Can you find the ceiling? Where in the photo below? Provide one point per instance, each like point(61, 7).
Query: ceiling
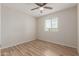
point(26, 7)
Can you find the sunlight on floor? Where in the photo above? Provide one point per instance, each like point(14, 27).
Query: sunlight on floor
point(49, 53)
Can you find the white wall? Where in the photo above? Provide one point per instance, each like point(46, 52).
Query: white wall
point(78, 25)
point(0, 25)
point(17, 27)
point(67, 22)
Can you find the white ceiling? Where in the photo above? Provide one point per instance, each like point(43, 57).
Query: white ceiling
point(26, 7)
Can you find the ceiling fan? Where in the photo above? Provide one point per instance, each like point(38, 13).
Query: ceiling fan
point(41, 7)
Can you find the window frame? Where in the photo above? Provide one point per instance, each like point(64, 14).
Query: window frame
point(52, 29)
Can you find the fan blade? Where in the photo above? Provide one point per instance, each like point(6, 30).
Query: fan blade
point(40, 4)
point(35, 8)
point(48, 7)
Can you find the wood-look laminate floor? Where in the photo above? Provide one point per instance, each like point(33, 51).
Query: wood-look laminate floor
point(39, 48)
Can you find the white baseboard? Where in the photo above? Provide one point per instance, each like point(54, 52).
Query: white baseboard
point(3, 47)
point(59, 43)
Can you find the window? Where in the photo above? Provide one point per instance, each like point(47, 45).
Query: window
point(51, 24)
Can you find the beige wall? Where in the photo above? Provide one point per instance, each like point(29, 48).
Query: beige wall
point(78, 25)
point(17, 27)
point(67, 22)
point(0, 25)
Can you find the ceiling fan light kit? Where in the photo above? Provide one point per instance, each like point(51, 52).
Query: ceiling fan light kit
point(41, 7)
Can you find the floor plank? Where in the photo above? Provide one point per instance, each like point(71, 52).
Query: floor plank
point(39, 48)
